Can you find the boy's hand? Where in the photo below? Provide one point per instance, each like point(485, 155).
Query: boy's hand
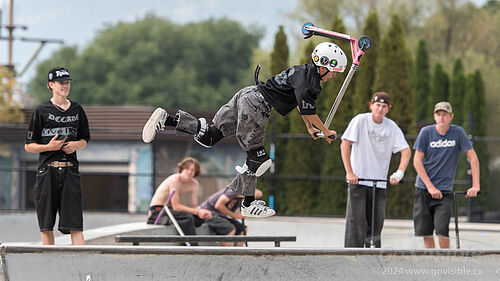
point(313, 131)
point(351, 178)
point(56, 144)
point(472, 192)
point(435, 193)
point(238, 216)
point(396, 177)
point(69, 147)
point(204, 214)
point(329, 133)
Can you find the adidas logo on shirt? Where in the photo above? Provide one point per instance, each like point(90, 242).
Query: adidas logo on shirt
point(442, 143)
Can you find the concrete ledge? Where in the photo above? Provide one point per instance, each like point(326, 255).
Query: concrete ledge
point(23, 249)
point(229, 263)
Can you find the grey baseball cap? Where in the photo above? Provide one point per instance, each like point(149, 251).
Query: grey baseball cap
point(446, 106)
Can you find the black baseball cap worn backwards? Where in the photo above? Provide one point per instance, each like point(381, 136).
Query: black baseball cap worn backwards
point(58, 74)
point(382, 97)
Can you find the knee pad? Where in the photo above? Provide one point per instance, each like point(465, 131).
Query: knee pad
point(257, 162)
point(186, 123)
point(207, 135)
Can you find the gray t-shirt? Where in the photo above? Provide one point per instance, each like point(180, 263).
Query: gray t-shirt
point(441, 155)
point(209, 203)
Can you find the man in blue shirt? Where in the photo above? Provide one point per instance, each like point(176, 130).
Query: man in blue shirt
point(436, 159)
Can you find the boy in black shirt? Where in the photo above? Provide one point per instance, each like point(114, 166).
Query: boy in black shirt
point(247, 113)
point(58, 127)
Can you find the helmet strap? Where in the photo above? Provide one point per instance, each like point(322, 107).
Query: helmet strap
point(324, 74)
point(319, 72)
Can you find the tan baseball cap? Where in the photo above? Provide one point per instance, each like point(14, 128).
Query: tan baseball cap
point(446, 106)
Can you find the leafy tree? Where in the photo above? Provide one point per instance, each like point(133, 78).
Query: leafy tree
point(9, 109)
point(155, 62)
point(366, 73)
point(412, 12)
point(422, 83)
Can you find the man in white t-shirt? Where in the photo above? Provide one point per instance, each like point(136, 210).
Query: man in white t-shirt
point(373, 138)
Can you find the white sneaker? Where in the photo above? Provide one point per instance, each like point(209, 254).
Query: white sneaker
point(155, 123)
point(257, 209)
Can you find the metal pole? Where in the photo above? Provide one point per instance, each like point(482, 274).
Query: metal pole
point(469, 172)
point(340, 95)
point(374, 189)
point(272, 155)
point(244, 228)
point(10, 27)
point(174, 221)
point(42, 43)
point(10, 66)
point(456, 219)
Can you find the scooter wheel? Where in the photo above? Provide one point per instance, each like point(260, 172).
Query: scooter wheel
point(306, 32)
point(364, 43)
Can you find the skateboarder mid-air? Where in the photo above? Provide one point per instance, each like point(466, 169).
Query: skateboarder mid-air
point(246, 115)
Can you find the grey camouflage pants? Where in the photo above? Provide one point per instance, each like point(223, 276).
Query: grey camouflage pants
point(244, 116)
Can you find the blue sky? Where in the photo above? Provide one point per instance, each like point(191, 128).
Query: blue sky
point(76, 22)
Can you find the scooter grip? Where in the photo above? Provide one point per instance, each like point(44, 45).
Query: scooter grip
point(321, 135)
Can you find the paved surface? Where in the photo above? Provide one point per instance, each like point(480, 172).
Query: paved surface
point(23, 226)
point(311, 232)
point(318, 253)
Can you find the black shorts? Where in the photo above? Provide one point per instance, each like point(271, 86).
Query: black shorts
point(431, 214)
point(223, 225)
point(59, 189)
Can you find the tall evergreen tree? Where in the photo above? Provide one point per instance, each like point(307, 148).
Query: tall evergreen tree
point(302, 158)
point(439, 89)
point(366, 73)
point(393, 76)
point(475, 104)
point(457, 92)
point(279, 55)
point(279, 62)
point(278, 124)
point(475, 111)
point(421, 78)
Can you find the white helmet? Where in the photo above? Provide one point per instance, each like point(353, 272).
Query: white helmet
point(330, 56)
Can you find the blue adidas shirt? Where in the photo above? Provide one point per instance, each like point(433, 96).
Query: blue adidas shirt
point(441, 155)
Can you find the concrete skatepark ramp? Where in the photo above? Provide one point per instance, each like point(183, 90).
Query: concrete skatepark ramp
point(318, 253)
point(109, 263)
